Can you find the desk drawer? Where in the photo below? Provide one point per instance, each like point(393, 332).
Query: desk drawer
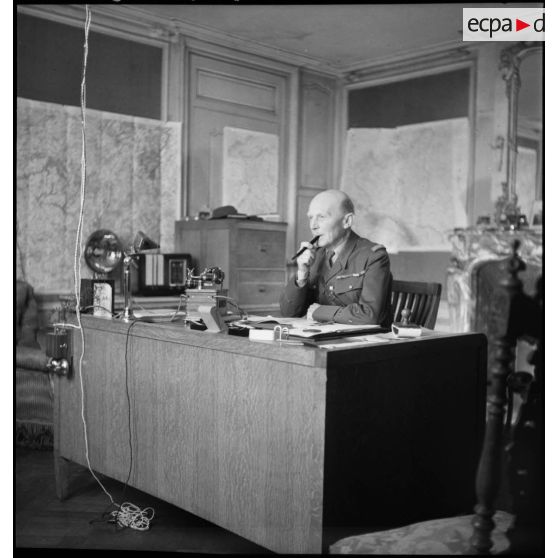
point(261, 276)
point(259, 293)
point(260, 248)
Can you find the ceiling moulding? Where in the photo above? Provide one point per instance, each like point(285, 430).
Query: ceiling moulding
point(416, 53)
point(411, 64)
point(229, 40)
point(74, 14)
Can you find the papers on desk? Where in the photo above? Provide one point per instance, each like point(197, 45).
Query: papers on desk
point(324, 331)
point(306, 329)
point(350, 342)
point(158, 314)
point(269, 322)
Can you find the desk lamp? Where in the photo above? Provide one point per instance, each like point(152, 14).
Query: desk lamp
point(102, 254)
point(141, 243)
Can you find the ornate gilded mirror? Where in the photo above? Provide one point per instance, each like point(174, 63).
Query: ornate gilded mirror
point(521, 200)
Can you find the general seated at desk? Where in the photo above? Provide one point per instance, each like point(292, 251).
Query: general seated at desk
point(342, 277)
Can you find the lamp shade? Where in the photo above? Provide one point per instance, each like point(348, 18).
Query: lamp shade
point(143, 242)
point(103, 251)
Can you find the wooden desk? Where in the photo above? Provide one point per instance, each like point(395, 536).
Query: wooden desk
point(272, 442)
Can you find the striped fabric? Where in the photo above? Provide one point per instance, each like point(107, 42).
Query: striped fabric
point(34, 396)
point(34, 389)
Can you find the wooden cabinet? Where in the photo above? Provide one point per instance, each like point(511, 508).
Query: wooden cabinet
point(251, 253)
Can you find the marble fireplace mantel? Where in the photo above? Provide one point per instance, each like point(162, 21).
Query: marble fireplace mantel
point(470, 248)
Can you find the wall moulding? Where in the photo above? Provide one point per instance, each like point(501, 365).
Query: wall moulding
point(237, 56)
point(308, 86)
point(261, 96)
point(316, 130)
point(310, 190)
point(409, 67)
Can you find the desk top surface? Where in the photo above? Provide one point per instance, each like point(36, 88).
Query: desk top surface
point(275, 350)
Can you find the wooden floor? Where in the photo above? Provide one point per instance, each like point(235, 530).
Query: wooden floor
point(43, 522)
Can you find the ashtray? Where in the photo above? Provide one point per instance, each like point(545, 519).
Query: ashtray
point(405, 328)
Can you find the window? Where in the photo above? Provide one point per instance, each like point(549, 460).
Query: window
point(122, 76)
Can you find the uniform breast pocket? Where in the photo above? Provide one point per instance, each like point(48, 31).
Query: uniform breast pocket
point(348, 288)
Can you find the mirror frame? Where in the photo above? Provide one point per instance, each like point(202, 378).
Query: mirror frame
point(510, 64)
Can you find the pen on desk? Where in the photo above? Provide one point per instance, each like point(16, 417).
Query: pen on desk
point(304, 248)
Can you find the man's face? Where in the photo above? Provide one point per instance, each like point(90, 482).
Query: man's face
point(327, 220)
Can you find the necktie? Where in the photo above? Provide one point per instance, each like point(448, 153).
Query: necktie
point(330, 257)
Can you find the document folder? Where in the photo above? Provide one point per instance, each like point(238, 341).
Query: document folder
point(308, 329)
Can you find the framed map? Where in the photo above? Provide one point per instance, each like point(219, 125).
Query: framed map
point(409, 183)
point(133, 183)
point(250, 171)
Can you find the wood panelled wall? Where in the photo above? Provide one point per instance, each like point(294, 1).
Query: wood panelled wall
point(226, 93)
point(318, 94)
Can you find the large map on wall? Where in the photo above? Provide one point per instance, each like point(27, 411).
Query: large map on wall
point(132, 183)
point(250, 171)
point(409, 184)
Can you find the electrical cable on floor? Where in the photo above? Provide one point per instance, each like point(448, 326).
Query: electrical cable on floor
point(129, 407)
point(133, 517)
point(126, 515)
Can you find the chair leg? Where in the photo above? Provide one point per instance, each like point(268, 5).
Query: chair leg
point(509, 408)
point(489, 469)
point(61, 475)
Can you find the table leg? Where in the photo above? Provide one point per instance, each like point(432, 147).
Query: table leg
point(61, 475)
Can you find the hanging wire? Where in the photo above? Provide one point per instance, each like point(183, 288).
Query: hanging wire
point(126, 515)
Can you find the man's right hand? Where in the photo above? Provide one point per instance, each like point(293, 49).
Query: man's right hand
point(304, 261)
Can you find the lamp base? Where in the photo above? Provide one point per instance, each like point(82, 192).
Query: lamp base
point(127, 315)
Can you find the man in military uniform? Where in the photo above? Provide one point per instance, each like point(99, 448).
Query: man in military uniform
point(343, 277)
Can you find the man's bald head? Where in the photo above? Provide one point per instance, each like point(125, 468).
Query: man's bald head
point(331, 216)
point(336, 198)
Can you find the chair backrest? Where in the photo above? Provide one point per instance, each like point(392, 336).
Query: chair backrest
point(422, 299)
point(520, 317)
point(27, 316)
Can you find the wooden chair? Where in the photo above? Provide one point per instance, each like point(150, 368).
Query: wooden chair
point(422, 299)
point(519, 529)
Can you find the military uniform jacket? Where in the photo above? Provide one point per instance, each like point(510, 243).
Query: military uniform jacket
point(356, 289)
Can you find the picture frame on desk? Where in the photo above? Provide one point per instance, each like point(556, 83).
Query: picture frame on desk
point(97, 297)
point(103, 298)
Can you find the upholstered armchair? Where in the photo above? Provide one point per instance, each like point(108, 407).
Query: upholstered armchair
point(33, 375)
